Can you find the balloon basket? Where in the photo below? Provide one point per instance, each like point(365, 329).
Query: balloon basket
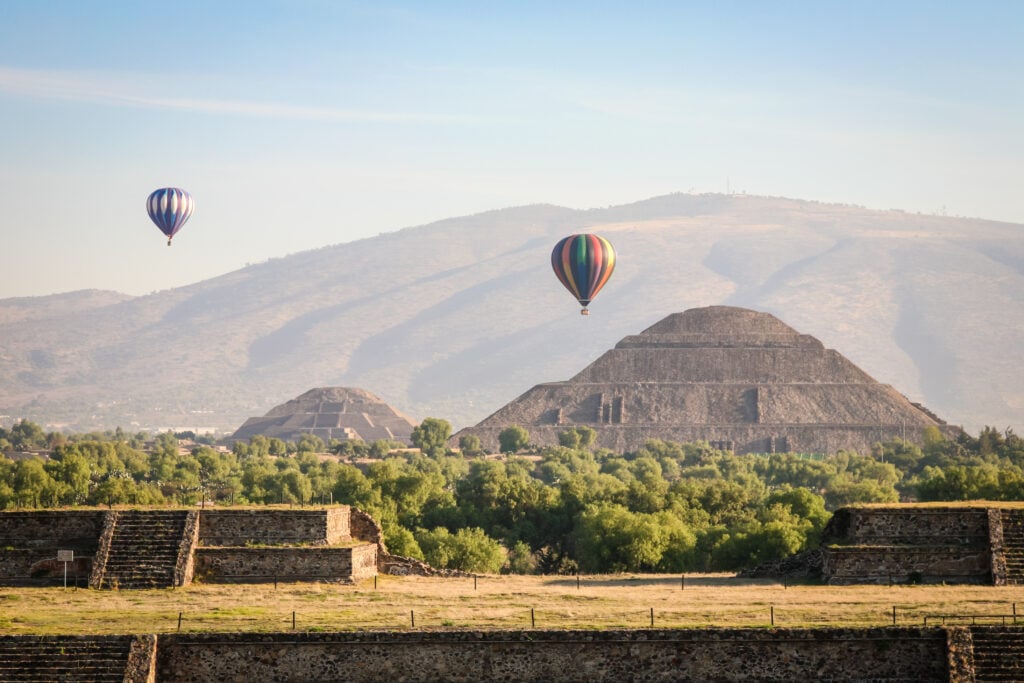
point(585, 311)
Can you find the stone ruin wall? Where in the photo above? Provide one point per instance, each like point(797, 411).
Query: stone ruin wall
point(239, 527)
point(50, 527)
point(906, 654)
point(229, 544)
point(908, 525)
point(267, 565)
point(29, 541)
point(252, 545)
point(751, 365)
point(910, 564)
point(908, 545)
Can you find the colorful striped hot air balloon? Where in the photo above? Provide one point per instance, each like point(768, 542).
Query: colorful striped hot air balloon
point(583, 263)
point(170, 208)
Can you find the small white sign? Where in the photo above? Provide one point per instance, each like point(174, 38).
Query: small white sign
point(65, 555)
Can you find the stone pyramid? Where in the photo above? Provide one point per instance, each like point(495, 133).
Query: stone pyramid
point(739, 379)
point(331, 413)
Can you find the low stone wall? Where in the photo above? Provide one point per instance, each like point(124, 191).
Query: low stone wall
point(910, 525)
point(228, 527)
point(906, 564)
point(141, 666)
point(29, 541)
point(184, 567)
point(364, 561)
point(57, 529)
point(33, 566)
point(365, 528)
point(880, 654)
point(261, 565)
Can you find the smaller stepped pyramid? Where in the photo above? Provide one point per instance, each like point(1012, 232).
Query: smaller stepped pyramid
point(739, 379)
point(144, 549)
point(998, 653)
point(92, 659)
point(341, 413)
point(1013, 545)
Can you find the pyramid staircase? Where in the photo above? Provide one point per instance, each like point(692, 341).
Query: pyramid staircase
point(998, 653)
point(143, 550)
point(1013, 545)
point(64, 658)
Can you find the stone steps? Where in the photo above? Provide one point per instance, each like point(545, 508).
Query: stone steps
point(144, 549)
point(64, 658)
point(1013, 545)
point(998, 653)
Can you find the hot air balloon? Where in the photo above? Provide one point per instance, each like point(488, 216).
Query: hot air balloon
point(170, 208)
point(583, 263)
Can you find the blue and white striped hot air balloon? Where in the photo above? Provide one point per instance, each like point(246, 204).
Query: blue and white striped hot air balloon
point(170, 208)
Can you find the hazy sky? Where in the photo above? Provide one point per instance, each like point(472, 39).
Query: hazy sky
point(305, 123)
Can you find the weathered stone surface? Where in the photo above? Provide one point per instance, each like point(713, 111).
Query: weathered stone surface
point(216, 544)
point(879, 654)
point(52, 529)
point(911, 544)
point(29, 541)
point(331, 413)
point(141, 666)
point(906, 564)
point(737, 378)
point(263, 565)
point(908, 525)
point(269, 526)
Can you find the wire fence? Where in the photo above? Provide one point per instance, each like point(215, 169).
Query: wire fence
point(575, 602)
point(549, 618)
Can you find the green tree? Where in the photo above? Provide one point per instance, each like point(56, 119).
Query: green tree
point(521, 559)
point(431, 436)
point(470, 445)
point(610, 538)
point(310, 443)
point(26, 435)
point(587, 436)
point(401, 541)
point(469, 550)
point(33, 485)
point(513, 439)
point(570, 438)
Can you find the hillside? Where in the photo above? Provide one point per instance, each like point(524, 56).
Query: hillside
point(456, 318)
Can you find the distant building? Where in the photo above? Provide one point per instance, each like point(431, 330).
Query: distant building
point(739, 379)
point(331, 413)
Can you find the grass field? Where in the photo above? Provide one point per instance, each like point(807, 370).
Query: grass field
point(496, 602)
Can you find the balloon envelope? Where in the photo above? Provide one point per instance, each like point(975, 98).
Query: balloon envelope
point(170, 208)
point(583, 263)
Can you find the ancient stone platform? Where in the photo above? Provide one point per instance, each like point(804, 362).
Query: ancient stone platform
point(341, 413)
point(957, 654)
point(157, 547)
point(739, 379)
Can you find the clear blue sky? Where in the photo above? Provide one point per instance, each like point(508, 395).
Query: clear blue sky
point(305, 123)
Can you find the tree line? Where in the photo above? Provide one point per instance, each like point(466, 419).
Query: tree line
point(667, 507)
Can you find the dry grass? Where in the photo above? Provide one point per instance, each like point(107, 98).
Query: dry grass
point(497, 602)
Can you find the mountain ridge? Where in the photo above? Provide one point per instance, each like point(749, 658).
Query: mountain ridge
point(456, 317)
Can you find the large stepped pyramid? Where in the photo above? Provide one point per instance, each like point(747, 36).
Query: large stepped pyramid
point(95, 659)
point(1013, 545)
point(143, 549)
point(998, 653)
point(343, 413)
point(742, 380)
